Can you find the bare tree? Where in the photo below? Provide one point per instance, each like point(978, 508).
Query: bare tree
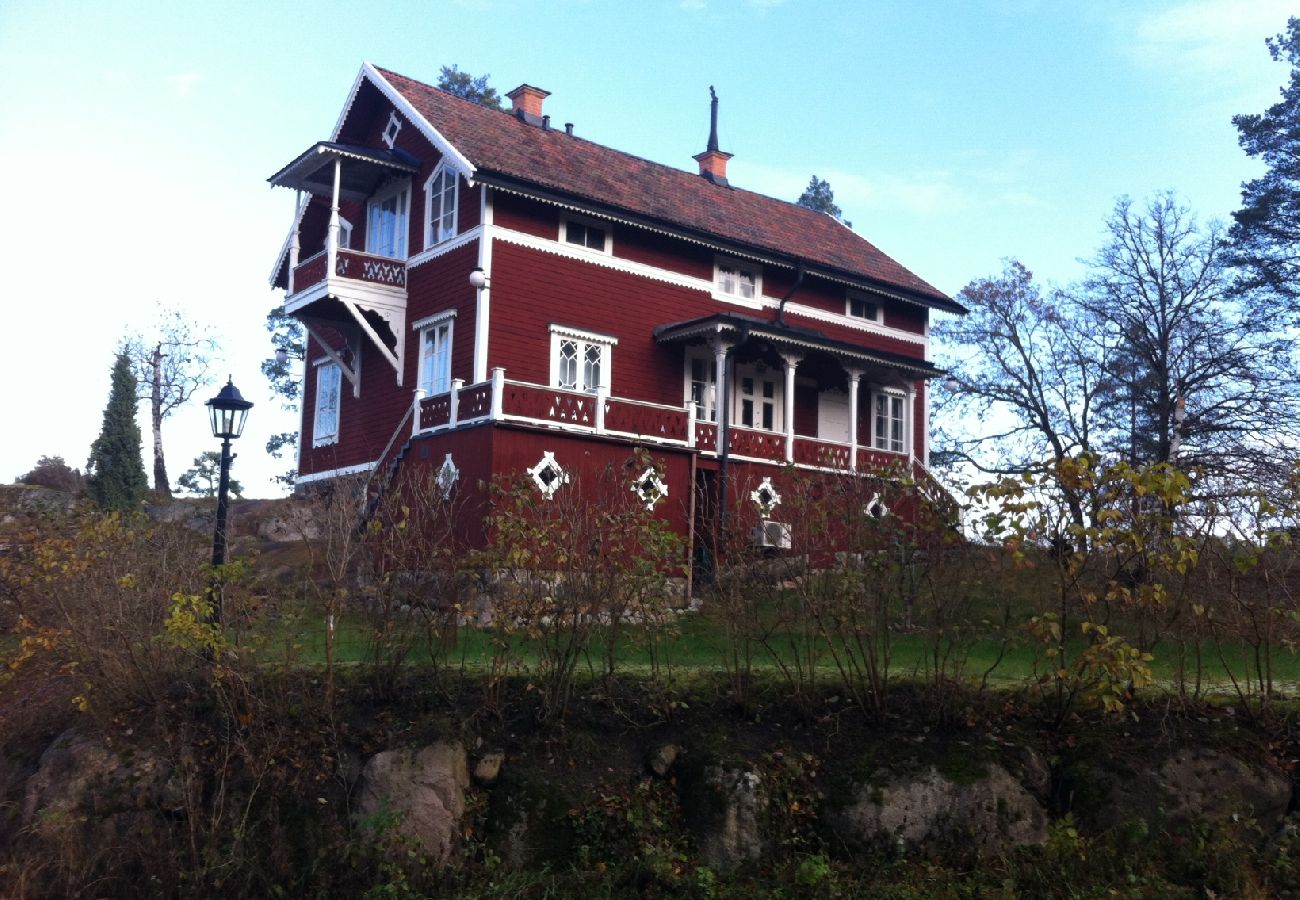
point(1195, 377)
point(170, 364)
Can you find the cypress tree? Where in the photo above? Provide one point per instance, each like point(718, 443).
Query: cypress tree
point(116, 479)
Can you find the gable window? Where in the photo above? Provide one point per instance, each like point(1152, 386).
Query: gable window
point(890, 415)
point(386, 218)
point(702, 384)
point(440, 200)
point(585, 233)
point(390, 130)
point(580, 360)
point(435, 356)
point(859, 307)
point(736, 279)
point(325, 427)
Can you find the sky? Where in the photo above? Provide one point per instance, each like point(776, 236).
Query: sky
point(136, 139)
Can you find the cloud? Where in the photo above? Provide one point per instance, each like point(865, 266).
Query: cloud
point(1215, 37)
point(183, 84)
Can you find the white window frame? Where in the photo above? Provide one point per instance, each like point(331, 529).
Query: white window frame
point(885, 441)
point(742, 371)
point(329, 375)
point(398, 189)
point(345, 233)
point(567, 220)
point(435, 232)
point(870, 303)
point(728, 283)
point(391, 130)
point(427, 380)
point(706, 403)
point(602, 343)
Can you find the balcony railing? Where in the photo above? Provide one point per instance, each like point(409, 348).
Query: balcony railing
point(503, 400)
point(353, 265)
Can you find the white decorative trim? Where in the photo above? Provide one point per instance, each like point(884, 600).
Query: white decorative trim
point(435, 319)
point(395, 126)
point(875, 508)
point(650, 488)
point(548, 475)
point(448, 475)
point(591, 337)
point(336, 473)
point(765, 496)
point(444, 248)
point(444, 146)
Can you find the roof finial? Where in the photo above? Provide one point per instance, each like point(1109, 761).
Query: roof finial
point(713, 119)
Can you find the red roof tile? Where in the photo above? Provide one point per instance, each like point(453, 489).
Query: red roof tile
point(497, 142)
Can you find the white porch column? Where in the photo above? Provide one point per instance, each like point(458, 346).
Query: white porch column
point(415, 413)
point(602, 394)
point(855, 379)
point(909, 420)
point(721, 390)
point(498, 391)
point(336, 228)
point(791, 361)
point(453, 415)
point(690, 424)
point(295, 245)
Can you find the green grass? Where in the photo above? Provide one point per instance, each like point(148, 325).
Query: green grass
point(698, 642)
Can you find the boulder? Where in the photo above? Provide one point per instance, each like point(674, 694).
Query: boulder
point(726, 810)
point(424, 790)
point(662, 758)
point(934, 813)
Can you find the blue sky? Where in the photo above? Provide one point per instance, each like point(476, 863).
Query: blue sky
point(136, 138)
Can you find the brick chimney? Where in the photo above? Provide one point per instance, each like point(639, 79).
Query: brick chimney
point(713, 162)
point(526, 103)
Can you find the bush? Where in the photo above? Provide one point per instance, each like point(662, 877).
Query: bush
point(52, 472)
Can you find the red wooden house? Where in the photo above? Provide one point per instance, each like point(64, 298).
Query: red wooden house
point(487, 293)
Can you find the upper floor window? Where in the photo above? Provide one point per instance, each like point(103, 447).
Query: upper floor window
point(325, 427)
point(580, 360)
point(759, 398)
point(386, 221)
point(440, 200)
point(736, 279)
point(585, 233)
point(702, 384)
point(345, 233)
point(890, 409)
point(435, 356)
point(859, 307)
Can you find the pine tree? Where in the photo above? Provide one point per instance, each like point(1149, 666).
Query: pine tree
point(115, 471)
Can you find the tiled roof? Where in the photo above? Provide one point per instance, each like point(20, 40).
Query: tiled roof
point(497, 142)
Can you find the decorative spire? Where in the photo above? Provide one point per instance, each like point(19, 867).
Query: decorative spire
point(713, 119)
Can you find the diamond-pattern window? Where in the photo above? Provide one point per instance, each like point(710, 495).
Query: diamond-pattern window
point(548, 475)
point(765, 497)
point(650, 488)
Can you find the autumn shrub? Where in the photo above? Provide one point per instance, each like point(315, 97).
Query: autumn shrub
point(52, 472)
point(573, 563)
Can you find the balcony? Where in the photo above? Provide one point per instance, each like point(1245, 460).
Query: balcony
point(503, 400)
point(353, 271)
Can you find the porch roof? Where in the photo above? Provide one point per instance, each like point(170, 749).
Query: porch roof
point(740, 327)
point(363, 170)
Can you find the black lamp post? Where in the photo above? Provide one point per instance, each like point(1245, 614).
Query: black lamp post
point(228, 410)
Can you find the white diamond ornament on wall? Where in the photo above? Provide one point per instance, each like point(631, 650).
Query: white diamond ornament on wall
point(448, 475)
point(650, 488)
point(765, 497)
point(875, 508)
point(548, 475)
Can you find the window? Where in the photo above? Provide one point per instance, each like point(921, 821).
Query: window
point(859, 307)
point(702, 384)
point(435, 357)
point(386, 222)
point(585, 233)
point(390, 130)
point(440, 201)
point(758, 398)
point(889, 422)
point(580, 361)
point(736, 279)
point(345, 233)
point(325, 429)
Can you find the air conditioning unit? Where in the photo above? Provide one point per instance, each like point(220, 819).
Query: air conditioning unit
point(772, 534)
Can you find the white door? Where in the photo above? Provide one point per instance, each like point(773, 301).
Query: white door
point(833, 416)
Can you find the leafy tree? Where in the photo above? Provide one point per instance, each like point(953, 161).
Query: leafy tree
point(819, 196)
point(204, 478)
point(287, 335)
point(170, 366)
point(115, 472)
point(1266, 234)
point(53, 472)
point(462, 84)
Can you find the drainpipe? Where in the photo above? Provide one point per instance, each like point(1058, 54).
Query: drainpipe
point(798, 280)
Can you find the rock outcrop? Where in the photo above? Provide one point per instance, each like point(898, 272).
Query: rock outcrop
point(424, 792)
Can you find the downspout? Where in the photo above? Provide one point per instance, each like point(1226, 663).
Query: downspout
point(798, 280)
